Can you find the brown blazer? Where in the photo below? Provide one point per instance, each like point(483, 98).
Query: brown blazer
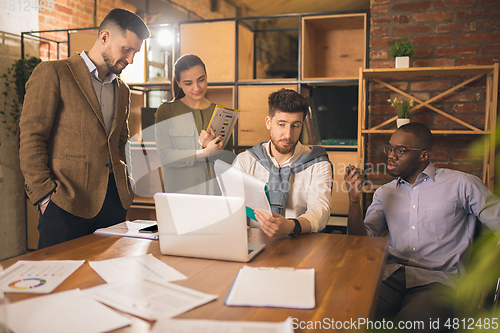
point(64, 147)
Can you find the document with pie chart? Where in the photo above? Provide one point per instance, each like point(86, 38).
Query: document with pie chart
point(37, 277)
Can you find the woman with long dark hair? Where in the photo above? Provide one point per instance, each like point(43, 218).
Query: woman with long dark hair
point(185, 148)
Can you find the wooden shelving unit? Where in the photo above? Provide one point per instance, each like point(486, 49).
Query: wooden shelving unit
point(468, 74)
point(331, 48)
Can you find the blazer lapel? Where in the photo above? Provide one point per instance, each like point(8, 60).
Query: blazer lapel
point(81, 75)
point(121, 104)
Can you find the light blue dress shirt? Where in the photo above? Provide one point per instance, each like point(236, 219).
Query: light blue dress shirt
point(105, 91)
point(431, 223)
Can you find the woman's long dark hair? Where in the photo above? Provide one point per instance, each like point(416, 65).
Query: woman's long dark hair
point(185, 62)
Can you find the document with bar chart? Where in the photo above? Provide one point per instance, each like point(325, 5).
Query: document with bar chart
point(39, 277)
point(223, 121)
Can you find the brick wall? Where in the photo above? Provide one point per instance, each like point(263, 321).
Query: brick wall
point(69, 14)
point(446, 33)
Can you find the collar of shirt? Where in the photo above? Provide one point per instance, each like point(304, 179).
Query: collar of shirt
point(93, 69)
point(429, 172)
point(296, 154)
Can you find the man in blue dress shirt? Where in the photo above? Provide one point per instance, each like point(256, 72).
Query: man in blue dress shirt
point(430, 215)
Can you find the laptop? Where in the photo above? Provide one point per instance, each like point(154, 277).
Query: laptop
point(204, 226)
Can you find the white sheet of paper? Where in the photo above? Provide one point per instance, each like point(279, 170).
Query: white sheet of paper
point(68, 311)
point(210, 326)
point(236, 183)
point(37, 277)
point(129, 229)
point(136, 268)
point(271, 287)
point(149, 300)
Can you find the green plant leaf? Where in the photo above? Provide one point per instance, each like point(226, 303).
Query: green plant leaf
point(17, 75)
point(402, 48)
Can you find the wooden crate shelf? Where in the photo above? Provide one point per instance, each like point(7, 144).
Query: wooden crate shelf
point(215, 43)
point(467, 74)
point(334, 46)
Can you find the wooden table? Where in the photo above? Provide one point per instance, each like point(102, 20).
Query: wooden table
point(348, 269)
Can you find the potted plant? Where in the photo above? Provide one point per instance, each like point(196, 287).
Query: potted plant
point(403, 109)
point(402, 50)
point(14, 81)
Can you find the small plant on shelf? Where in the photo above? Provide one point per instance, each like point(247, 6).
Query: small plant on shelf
point(403, 108)
point(402, 48)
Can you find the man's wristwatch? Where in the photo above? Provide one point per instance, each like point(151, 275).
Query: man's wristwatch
point(297, 230)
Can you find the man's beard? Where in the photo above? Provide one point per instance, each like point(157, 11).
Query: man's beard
point(113, 68)
point(280, 149)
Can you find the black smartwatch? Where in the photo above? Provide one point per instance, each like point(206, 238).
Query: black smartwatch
point(297, 230)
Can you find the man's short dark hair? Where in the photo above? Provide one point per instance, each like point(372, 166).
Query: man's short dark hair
point(421, 132)
point(286, 100)
point(123, 20)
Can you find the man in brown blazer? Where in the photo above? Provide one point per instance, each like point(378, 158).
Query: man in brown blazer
point(74, 128)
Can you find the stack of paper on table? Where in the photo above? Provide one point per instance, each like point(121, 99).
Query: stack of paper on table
point(273, 287)
point(129, 229)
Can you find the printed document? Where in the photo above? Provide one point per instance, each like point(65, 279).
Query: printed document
point(273, 287)
point(63, 312)
point(223, 121)
point(210, 326)
point(149, 300)
point(236, 183)
point(37, 277)
point(136, 268)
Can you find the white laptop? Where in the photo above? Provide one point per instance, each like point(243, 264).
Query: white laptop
point(203, 226)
